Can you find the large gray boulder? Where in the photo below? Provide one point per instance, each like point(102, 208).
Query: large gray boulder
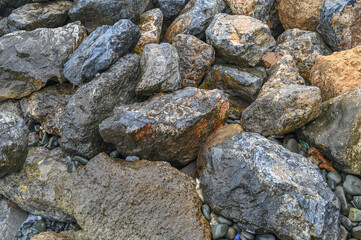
point(260, 185)
point(11, 219)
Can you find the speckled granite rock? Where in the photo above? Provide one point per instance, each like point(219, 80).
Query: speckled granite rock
point(11, 219)
point(12, 106)
point(258, 9)
point(65, 235)
point(4, 29)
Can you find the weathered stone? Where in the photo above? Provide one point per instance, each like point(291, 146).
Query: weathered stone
point(346, 222)
point(150, 25)
point(100, 50)
point(219, 231)
point(240, 39)
point(274, 22)
point(171, 8)
point(335, 176)
point(195, 18)
point(343, 234)
point(354, 215)
point(28, 60)
point(190, 170)
point(13, 143)
point(131, 200)
point(93, 102)
point(260, 185)
point(356, 232)
point(169, 128)
point(12, 106)
point(258, 9)
point(4, 29)
point(11, 219)
point(65, 235)
point(339, 138)
point(340, 23)
point(282, 110)
point(352, 185)
point(337, 73)
point(345, 206)
point(195, 59)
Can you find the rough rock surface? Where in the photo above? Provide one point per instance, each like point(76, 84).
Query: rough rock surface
point(33, 188)
point(131, 200)
point(65, 235)
point(195, 59)
point(282, 110)
point(11, 219)
point(195, 18)
point(337, 73)
point(337, 131)
point(28, 60)
point(93, 102)
point(340, 23)
point(159, 70)
point(239, 39)
point(12, 106)
point(261, 185)
point(171, 8)
point(169, 128)
point(258, 9)
point(150, 25)
point(13, 143)
point(4, 29)
point(100, 50)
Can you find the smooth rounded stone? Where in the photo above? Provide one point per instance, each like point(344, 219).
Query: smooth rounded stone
point(37, 128)
point(80, 160)
point(259, 9)
point(21, 74)
point(219, 231)
point(4, 29)
point(352, 185)
point(339, 138)
point(13, 143)
point(195, 59)
point(335, 176)
point(224, 220)
point(345, 206)
point(95, 101)
point(141, 196)
point(11, 219)
point(356, 232)
point(159, 66)
point(240, 39)
point(45, 139)
point(52, 143)
point(40, 226)
point(115, 154)
point(170, 8)
point(132, 158)
point(150, 25)
point(231, 233)
point(346, 222)
point(264, 180)
point(331, 184)
point(292, 145)
point(206, 210)
point(340, 23)
point(265, 237)
point(354, 215)
point(357, 201)
point(143, 129)
point(95, 54)
point(282, 110)
point(247, 235)
point(195, 18)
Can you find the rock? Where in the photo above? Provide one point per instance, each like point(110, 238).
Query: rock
point(48, 236)
point(195, 18)
point(300, 14)
point(206, 211)
point(195, 59)
point(20, 74)
point(265, 237)
point(340, 23)
point(140, 195)
point(12, 106)
point(345, 206)
point(93, 102)
point(93, 13)
point(292, 145)
point(231, 233)
point(357, 201)
point(219, 231)
point(33, 188)
point(343, 234)
point(283, 110)
point(240, 39)
point(40, 226)
point(339, 138)
point(11, 219)
point(224, 220)
point(274, 22)
point(190, 170)
point(265, 180)
point(150, 25)
point(337, 73)
point(346, 222)
point(13, 143)
point(65, 235)
point(352, 185)
point(4, 29)
point(39, 15)
point(356, 232)
point(258, 9)
point(354, 215)
point(171, 8)
point(47, 105)
point(159, 70)
point(95, 54)
point(304, 47)
point(335, 176)
point(169, 128)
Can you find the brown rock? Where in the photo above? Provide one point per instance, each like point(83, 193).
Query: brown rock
point(190, 170)
point(258, 9)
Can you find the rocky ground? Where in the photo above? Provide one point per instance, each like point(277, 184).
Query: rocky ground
point(180, 119)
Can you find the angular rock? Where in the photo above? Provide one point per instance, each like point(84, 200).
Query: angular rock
point(195, 59)
point(240, 39)
point(130, 200)
point(100, 50)
point(150, 25)
point(169, 128)
point(337, 73)
point(258, 9)
point(4, 29)
point(340, 138)
point(12, 106)
point(340, 23)
point(159, 70)
point(260, 185)
point(195, 18)
point(28, 60)
point(171, 8)
point(93, 102)
point(11, 219)
point(33, 188)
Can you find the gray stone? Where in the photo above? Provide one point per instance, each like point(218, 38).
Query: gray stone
point(40, 226)
point(347, 223)
point(132, 158)
point(100, 50)
point(12, 106)
point(231, 233)
point(345, 206)
point(4, 29)
point(352, 185)
point(206, 210)
point(171, 8)
point(225, 221)
point(292, 145)
point(265, 237)
point(356, 232)
point(219, 231)
point(335, 176)
point(354, 215)
point(343, 234)
point(11, 219)
point(259, 9)
point(357, 201)
point(247, 235)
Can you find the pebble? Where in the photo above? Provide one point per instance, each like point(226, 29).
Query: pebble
point(225, 221)
point(37, 128)
point(345, 206)
point(247, 235)
point(45, 139)
point(292, 145)
point(335, 176)
point(115, 154)
point(265, 237)
point(331, 184)
point(219, 231)
point(347, 223)
point(235, 226)
point(231, 233)
point(40, 226)
point(352, 185)
point(51, 144)
point(206, 212)
point(80, 160)
point(356, 232)
point(214, 220)
point(132, 158)
point(354, 215)
point(357, 201)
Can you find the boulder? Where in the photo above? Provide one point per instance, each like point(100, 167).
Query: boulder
point(274, 22)
point(100, 50)
point(65, 235)
point(12, 106)
point(260, 185)
point(169, 128)
point(239, 39)
point(4, 29)
point(11, 219)
point(170, 8)
point(259, 9)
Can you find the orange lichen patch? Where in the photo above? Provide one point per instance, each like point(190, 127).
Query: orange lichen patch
point(144, 134)
point(324, 163)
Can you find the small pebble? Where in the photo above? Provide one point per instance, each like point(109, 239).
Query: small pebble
point(345, 206)
point(132, 158)
point(335, 176)
point(219, 231)
point(40, 226)
point(292, 145)
point(265, 237)
point(45, 139)
point(115, 154)
point(235, 226)
point(331, 184)
point(357, 201)
point(80, 160)
point(37, 128)
point(206, 212)
point(347, 223)
point(231, 233)
point(247, 235)
point(354, 215)
point(225, 221)
point(352, 185)
point(51, 144)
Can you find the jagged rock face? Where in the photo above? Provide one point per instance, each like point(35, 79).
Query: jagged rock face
point(11, 218)
point(169, 128)
point(261, 185)
point(93, 102)
point(12, 106)
point(259, 9)
point(4, 29)
point(131, 200)
point(13, 143)
point(100, 50)
point(170, 8)
point(28, 60)
point(337, 131)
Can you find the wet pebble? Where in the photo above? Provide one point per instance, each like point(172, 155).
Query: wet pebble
point(206, 211)
point(265, 237)
point(115, 154)
point(345, 206)
point(231, 233)
point(51, 145)
point(356, 232)
point(335, 176)
point(225, 221)
point(80, 160)
point(40, 226)
point(292, 145)
point(44, 140)
point(347, 223)
point(247, 235)
point(219, 231)
point(132, 158)
point(331, 184)
point(352, 185)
